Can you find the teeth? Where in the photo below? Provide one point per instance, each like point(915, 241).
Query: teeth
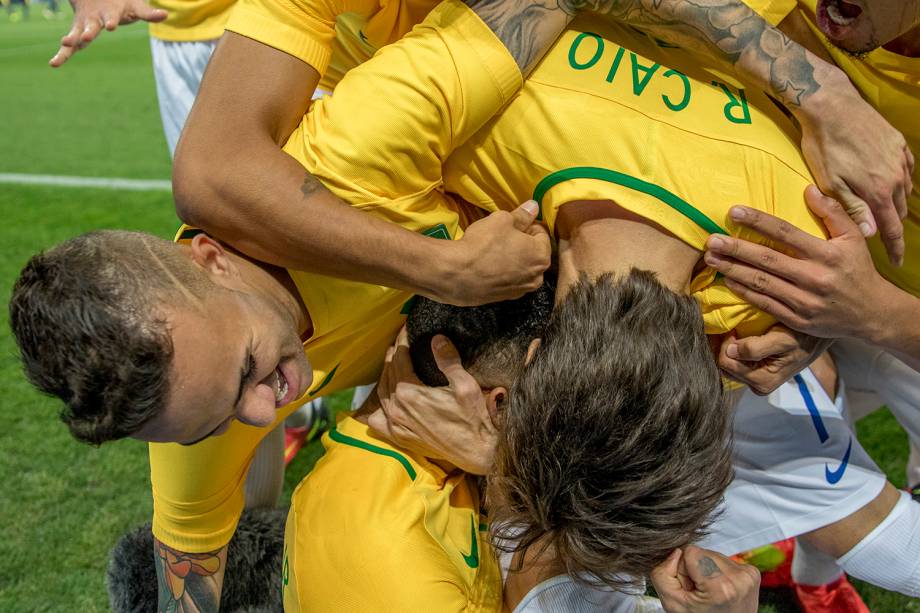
point(833, 11)
point(281, 386)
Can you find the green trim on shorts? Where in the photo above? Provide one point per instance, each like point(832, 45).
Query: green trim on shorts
point(344, 439)
point(611, 176)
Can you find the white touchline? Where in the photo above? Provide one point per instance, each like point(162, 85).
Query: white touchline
point(97, 182)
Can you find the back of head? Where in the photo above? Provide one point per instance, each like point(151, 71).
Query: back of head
point(615, 445)
point(88, 317)
point(491, 339)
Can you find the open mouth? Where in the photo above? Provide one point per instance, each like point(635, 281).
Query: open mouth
point(835, 14)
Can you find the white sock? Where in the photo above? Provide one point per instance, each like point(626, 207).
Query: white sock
point(889, 556)
point(813, 567)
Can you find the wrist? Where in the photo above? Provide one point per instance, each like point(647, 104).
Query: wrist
point(834, 87)
point(895, 309)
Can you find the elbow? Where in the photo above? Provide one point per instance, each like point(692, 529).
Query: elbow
point(193, 184)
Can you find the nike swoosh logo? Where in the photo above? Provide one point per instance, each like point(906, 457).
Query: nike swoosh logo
point(833, 476)
point(363, 37)
point(472, 560)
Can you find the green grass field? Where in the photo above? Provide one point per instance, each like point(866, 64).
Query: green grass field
point(64, 504)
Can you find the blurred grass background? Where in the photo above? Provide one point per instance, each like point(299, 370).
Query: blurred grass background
point(63, 504)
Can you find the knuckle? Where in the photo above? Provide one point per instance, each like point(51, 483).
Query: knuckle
point(760, 282)
point(767, 259)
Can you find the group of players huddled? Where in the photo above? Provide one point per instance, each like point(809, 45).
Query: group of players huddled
point(639, 374)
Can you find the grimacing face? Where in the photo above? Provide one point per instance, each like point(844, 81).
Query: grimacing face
point(859, 26)
point(238, 355)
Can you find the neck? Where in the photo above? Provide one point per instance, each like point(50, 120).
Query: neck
point(908, 44)
point(600, 237)
point(276, 284)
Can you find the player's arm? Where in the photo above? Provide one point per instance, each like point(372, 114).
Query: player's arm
point(232, 179)
point(188, 581)
point(90, 17)
point(854, 154)
point(826, 288)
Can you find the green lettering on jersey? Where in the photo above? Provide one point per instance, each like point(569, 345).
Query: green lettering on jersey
point(685, 100)
point(616, 64)
point(598, 51)
point(735, 102)
point(639, 85)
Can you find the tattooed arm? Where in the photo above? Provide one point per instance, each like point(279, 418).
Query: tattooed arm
point(854, 154)
point(188, 582)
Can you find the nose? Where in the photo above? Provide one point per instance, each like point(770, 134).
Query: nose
point(257, 406)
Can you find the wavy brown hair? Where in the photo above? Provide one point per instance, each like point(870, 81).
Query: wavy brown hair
point(615, 447)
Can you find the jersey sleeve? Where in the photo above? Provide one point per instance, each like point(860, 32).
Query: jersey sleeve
point(304, 29)
point(773, 11)
point(392, 121)
point(198, 489)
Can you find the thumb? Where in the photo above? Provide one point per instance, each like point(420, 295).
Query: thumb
point(858, 211)
point(524, 216)
point(665, 578)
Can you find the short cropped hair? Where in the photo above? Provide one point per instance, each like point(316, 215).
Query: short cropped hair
point(491, 339)
point(89, 321)
point(615, 447)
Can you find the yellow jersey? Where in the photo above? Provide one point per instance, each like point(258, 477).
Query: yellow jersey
point(198, 489)
point(409, 534)
point(191, 20)
point(613, 114)
point(890, 83)
point(345, 32)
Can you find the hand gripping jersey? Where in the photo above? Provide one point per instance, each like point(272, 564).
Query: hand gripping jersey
point(891, 84)
point(613, 114)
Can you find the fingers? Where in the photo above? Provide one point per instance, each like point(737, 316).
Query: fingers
point(524, 216)
point(775, 229)
point(63, 54)
point(860, 212)
point(146, 12)
point(70, 43)
point(891, 230)
point(775, 342)
point(831, 213)
point(768, 304)
point(666, 578)
point(727, 255)
point(461, 382)
point(721, 582)
point(91, 28)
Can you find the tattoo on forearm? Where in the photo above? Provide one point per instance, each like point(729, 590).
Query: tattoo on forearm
point(187, 581)
point(708, 568)
point(760, 52)
point(311, 185)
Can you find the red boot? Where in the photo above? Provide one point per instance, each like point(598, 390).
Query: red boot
point(838, 596)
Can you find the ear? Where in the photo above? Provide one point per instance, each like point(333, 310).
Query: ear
point(531, 350)
point(495, 401)
point(211, 257)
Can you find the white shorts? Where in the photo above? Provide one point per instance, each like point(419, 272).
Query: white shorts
point(177, 69)
point(798, 467)
point(874, 378)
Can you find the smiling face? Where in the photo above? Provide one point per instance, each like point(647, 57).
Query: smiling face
point(236, 355)
point(859, 26)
